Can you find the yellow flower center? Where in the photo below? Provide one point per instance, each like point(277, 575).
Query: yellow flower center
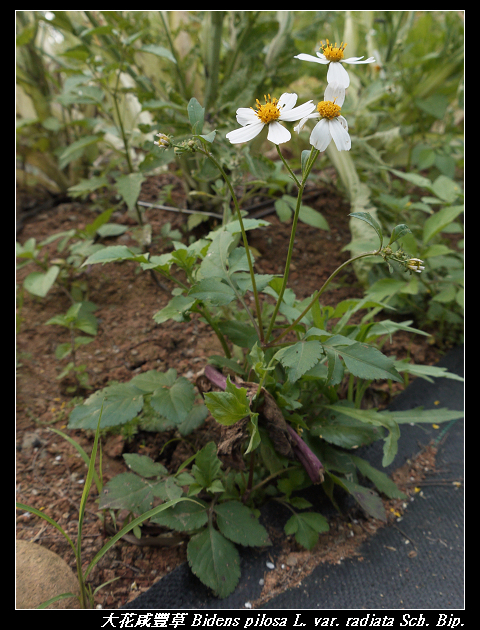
point(329, 110)
point(333, 52)
point(268, 112)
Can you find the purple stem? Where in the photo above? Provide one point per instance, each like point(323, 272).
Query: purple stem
point(307, 458)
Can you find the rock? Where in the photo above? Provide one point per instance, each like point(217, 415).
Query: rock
point(41, 575)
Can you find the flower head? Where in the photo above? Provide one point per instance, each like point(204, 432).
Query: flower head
point(414, 264)
point(163, 141)
point(332, 125)
point(253, 121)
point(333, 55)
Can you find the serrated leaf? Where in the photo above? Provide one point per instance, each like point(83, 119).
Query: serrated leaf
point(215, 561)
point(121, 403)
point(230, 406)
point(207, 465)
point(183, 517)
point(144, 465)
point(240, 525)
point(127, 491)
point(213, 290)
point(174, 402)
point(306, 526)
point(300, 358)
point(194, 419)
point(363, 360)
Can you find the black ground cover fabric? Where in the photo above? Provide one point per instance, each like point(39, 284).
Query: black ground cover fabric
point(387, 577)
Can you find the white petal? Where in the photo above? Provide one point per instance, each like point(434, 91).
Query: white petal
point(343, 122)
point(356, 60)
point(244, 134)
point(301, 124)
point(298, 112)
point(305, 57)
point(277, 133)
point(287, 101)
point(246, 116)
point(321, 136)
point(340, 135)
point(335, 92)
point(337, 74)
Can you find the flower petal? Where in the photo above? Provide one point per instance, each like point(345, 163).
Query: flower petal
point(321, 136)
point(304, 57)
point(277, 133)
point(335, 92)
point(301, 124)
point(340, 135)
point(246, 116)
point(298, 112)
point(244, 134)
point(287, 101)
point(337, 74)
point(357, 60)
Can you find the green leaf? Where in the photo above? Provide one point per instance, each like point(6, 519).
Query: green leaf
point(240, 525)
point(76, 150)
point(300, 358)
point(363, 360)
point(129, 186)
point(230, 406)
point(38, 283)
point(413, 178)
point(365, 497)
point(398, 232)
point(306, 526)
point(207, 465)
point(313, 217)
point(159, 51)
point(428, 416)
point(114, 253)
point(176, 309)
point(446, 189)
point(174, 402)
point(368, 218)
point(121, 403)
point(183, 517)
point(342, 430)
point(439, 221)
point(382, 482)
point(196, 115)
point(144, 465)
point(215, 561)
point(194, 419)
point(127, 491)
point(213, 290)
point(379, 419)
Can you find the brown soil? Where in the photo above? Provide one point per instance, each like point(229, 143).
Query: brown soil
point(50, 473)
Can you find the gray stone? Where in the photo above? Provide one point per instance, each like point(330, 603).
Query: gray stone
point(42, 574)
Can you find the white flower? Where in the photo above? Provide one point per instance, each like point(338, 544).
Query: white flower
point(332, 124)
point(269, 114)
point(414, 264)
point(333, 55)
point(163, 141)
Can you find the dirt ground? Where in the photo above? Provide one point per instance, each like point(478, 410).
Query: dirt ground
point(50, 473)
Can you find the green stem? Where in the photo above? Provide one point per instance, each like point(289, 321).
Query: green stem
point(204, 313)
point(317, 295)
point(313, 155)
point(287, 166)
point(245, 242)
